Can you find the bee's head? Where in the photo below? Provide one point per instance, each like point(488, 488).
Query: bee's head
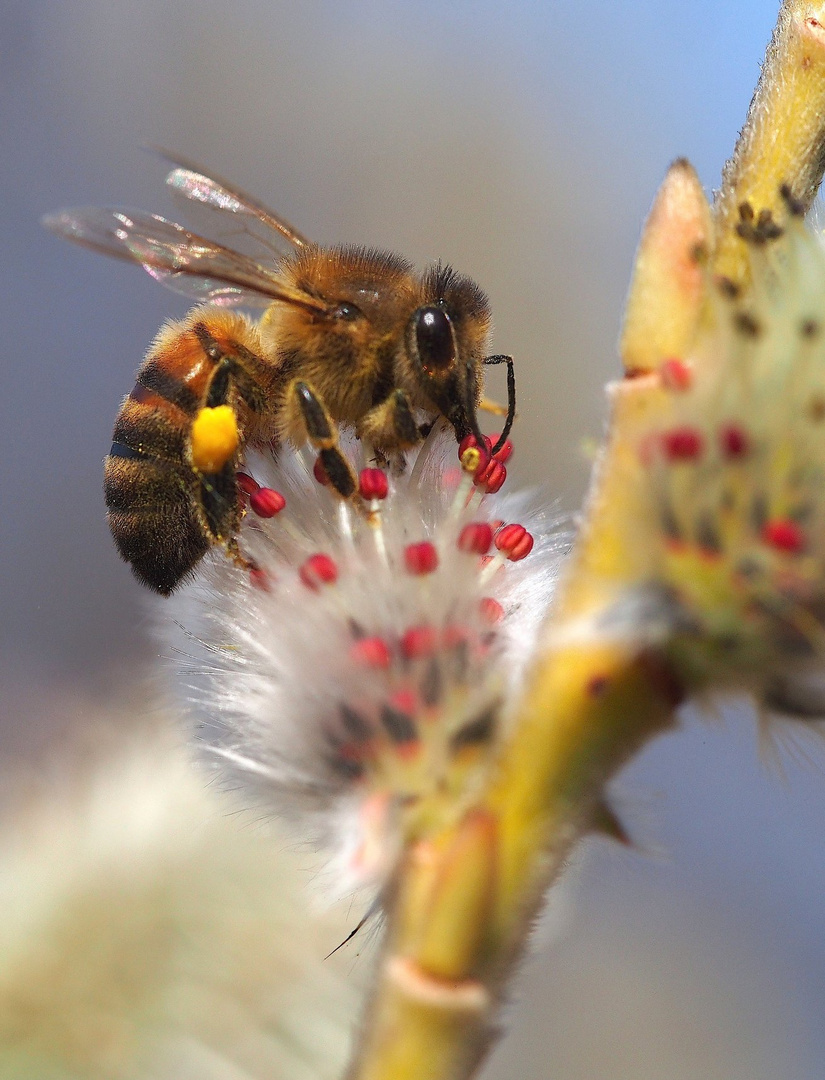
point(445, 342)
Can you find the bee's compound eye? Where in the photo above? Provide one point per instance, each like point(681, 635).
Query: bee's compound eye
point(434, 337)
point(347, 312)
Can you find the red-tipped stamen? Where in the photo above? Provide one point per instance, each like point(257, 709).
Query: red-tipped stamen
point(488, 472)
point(373, 484)
point(490, 477)
point(371, 652)
point(682, 444)
point(734, 441)
point(491, 610)
point(470, 441)
point(475, 538)
point(505, 451)
point(471, 460)
point(421, 558)
point(266, 502)
point(784, 534)
point(405, 700)
point(418, 642)
point(318, 570)
point(246, 483)
point(676, 375)
point(514, 542)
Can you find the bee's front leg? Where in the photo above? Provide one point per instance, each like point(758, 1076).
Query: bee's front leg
point(323, 434)
point(391, 425)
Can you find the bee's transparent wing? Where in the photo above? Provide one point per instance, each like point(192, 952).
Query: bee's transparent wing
point(183, 261)
point(222, 210)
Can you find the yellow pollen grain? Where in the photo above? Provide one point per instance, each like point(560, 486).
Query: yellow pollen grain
point(215, 438)
point(471, 459)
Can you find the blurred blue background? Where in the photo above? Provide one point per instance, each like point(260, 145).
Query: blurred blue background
point(523, 143)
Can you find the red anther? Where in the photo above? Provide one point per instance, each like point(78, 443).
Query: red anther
point(474, 457)
point(260, 579)
point(471, 441)
point(421, 558)
point(320, 473)
point(682, 444)
point(475, 538)
point(734, 441)
point(505, 452)
point(514, 541)
point(491, 610)
point(266, 502)
point(784, 535)
point(372, 652)
point(490, 476)
point(373, 484)
point(405, 700)
point(318, 570)
point(495, 480)
point(676, 374)
point(246, 484)
point(419, 641)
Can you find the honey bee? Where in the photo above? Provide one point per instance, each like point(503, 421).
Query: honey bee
point(348, 336)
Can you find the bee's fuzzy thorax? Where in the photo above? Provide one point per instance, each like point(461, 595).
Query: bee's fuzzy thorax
point(368, 660)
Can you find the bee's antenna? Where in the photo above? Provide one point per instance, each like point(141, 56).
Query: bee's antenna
point(511, 398)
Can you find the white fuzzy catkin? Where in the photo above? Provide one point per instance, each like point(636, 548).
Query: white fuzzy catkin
point(277, 678)
point(146, 935)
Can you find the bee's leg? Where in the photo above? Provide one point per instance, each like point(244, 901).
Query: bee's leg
point(235, 363)
point(323, 434)
point(220, 513)
point(391, 424)
point(234, 552)
point(493, 407)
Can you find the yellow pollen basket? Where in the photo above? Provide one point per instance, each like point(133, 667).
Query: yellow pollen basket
point(215, 438)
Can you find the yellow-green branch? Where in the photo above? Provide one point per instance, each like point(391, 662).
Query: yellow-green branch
point(783, 140)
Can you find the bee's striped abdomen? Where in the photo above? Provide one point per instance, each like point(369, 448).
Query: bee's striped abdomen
point(165, 515)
